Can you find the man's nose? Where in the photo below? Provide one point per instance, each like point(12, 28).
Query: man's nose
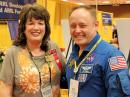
point(77, 29)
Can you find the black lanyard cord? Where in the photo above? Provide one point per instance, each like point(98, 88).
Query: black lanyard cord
point(31, 56)
point(50, 73)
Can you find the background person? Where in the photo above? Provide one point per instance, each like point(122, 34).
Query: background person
point(96, 67)
point(32, 66)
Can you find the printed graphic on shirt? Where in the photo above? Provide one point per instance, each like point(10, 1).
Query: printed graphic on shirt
point(45, 75)
point(29, 80)
point(53, 70)
point(23, 59)
point(90, 58)
point(117, 63)
point(29, 76)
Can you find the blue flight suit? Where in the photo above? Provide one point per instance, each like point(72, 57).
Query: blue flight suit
point(97, 75)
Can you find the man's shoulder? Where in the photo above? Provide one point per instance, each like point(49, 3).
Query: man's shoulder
point(106, 47)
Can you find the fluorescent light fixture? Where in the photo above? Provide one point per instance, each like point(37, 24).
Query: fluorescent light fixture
point(64, 0)
point(127, 1)
point(80, 3)
point(106, 2)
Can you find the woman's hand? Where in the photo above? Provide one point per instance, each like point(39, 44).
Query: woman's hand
point(5, 90)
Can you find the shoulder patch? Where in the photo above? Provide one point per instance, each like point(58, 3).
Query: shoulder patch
point(117, 62)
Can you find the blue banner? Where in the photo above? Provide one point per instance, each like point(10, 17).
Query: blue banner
point(106, 19)
point(13, 29)
point(10, 9)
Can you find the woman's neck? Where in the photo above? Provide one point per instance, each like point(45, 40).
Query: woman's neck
point(35, 49)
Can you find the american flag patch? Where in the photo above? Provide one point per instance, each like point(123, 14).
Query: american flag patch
point(117, 63)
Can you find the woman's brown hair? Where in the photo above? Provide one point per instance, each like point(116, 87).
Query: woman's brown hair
point(30, 11)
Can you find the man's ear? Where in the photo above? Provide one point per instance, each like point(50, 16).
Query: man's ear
point(96, 23)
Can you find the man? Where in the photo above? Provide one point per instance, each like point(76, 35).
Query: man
point(95, 68)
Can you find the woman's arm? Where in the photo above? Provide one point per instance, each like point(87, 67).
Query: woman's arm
point(5, 90)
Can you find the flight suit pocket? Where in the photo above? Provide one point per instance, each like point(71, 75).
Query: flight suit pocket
point(125, 82)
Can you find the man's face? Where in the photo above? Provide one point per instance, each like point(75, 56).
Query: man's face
point(83, 27)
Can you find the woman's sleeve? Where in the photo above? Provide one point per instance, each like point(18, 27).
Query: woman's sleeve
point(62, 59)
point(7, 69)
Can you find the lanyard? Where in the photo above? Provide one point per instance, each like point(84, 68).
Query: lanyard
point(31, 56)
point(76, 68)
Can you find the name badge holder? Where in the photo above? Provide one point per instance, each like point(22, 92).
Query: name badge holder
point(47, 91)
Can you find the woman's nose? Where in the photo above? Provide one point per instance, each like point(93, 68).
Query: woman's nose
point(35, 27)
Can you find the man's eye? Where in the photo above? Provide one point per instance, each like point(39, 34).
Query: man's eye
point(72, 26)
point(82, 26)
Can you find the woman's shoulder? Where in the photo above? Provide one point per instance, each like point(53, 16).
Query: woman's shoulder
point(13, 49)
point(52, 45)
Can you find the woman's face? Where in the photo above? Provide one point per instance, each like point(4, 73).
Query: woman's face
point(35, 30)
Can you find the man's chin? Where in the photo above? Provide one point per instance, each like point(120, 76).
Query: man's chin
point(81, 43)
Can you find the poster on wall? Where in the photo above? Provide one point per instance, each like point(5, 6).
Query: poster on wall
point(106, 19)
point(10, 9)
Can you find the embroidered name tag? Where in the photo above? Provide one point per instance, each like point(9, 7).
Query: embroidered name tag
point(86, 68)
point(82, 77)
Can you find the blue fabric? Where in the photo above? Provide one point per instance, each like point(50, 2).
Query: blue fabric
point(13, 29)
point(95, 76)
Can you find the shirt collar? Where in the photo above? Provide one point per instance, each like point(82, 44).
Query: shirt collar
point(92, 43)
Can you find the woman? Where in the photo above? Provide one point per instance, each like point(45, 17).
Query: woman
point(32, 66)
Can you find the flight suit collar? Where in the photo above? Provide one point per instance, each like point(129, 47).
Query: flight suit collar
point(92, 43)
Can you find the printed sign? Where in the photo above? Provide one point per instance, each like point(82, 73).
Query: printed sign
point(10, 9)
point(106, 19)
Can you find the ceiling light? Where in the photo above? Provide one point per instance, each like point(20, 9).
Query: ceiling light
point(80, 3)
point(64, 0)
point(117, 2)
point(106, 2)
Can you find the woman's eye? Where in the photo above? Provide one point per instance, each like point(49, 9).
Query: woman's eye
point(29, 23)
point(41, 23)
